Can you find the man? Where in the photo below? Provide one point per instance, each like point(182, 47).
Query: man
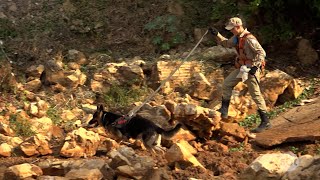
point(251, 56)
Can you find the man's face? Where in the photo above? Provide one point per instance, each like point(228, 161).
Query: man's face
point(236, 30)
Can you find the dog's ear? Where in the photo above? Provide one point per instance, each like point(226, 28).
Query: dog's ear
point(100, 108)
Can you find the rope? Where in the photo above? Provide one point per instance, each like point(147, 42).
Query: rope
point(135, 110)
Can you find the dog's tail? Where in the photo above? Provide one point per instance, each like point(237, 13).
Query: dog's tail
point(171, 132)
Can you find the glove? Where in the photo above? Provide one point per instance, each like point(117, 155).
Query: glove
point(253, 70)
point(213, 31)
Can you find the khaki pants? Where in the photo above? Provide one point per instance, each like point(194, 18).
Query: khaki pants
point(231, 81)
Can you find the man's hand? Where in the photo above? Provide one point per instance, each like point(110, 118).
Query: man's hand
point(253, 70)
point(213, 31)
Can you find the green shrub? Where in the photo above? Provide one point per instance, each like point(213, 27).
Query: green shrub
point(21, 126)
point(166, 34)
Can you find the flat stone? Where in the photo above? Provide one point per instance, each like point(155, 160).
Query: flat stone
point(301, 123)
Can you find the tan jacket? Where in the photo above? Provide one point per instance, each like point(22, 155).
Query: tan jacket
point(252, 48)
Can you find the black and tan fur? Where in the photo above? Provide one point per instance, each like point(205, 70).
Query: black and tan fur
point(135, 128)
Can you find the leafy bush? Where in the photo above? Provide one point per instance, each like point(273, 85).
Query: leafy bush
point(166, 32)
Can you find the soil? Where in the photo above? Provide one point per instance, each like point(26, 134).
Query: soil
point(125, 38)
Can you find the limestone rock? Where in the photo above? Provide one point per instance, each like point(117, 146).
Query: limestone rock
point(79, 143)
point(307, 55)
point(23, 171)
point(267, 166)
point(179, 153)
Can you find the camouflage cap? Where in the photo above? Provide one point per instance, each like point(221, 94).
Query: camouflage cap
point(232, 22)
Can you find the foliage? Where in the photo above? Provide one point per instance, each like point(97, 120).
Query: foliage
point(250, 121)
point(21, 126)
point(52, 113)
point(120, 96)
point(237, 149)
point(88, 17)
point(7, 29)
point(294, 149)
point(274, 20)
point(297, 150)
point(221, 8)
point(166, 32)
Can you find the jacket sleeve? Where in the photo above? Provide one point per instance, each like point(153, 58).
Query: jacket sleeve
point(227, 42)
point(258, 51)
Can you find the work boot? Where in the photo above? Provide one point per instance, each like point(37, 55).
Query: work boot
point(224, 108)
point(265, 124)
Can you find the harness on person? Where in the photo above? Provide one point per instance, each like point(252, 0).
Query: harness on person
point(242, 59)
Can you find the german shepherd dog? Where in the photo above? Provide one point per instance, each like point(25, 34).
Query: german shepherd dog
point(136, 127)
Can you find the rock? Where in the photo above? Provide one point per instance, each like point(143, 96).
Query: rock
point(181, 135)
point(274, 84)
point(35, 71)
point(219, 53)
point(305, 167)
point(215, 146)
point(80, 143)
point(201, 88)
point(33, 85)
point(36, 145)
point(298, 124)
point(159, 113)
point(233, 129)
point(202, 120)
point(84, 174)
point(292, 92)
point(77, 56)
point(162, 69)
point(179, 153)
point(5, 150)
point(5, 128)
point(43, 126)
point(23, 171)
point(306, 54)
point(269, 166)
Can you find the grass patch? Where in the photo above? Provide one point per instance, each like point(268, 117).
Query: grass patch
point(52, 113)
point(120, 96)
point(21, 126)
point(237, 149)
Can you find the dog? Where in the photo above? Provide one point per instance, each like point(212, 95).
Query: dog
point(137, 126)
